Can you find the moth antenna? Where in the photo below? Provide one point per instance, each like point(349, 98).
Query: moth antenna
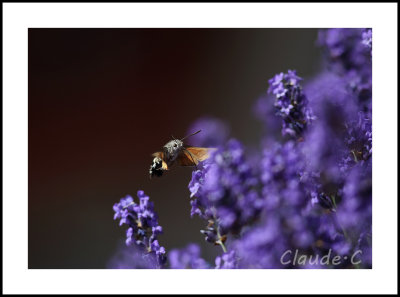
point(191, 135)
point(173, 137)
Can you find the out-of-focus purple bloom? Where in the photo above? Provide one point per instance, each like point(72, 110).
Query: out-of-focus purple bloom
point(364, 249)
point(327, 156)
point(142, 222)
point(187, 258)
point(359, 137)
point(264, 111)
point(226, 261)
point(344, 47)
point(349, 57)
point(132, 257)
point(361, 88)
point(290, 220)
point(261, 246)
point(322, 199)
point(329, 92)
point(340, 137)
point(355, 209)
point(290, 103)
point(367, 39)
point(224, 191)
point(354, 212)
point(264, 245)
point(214, 132)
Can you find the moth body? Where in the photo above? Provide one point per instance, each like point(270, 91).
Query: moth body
point(175, 152)
point(172, 150)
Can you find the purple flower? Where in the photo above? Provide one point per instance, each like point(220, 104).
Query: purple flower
point(355, 208)
point(364, 249)
point(359, 137)
point(344, 48)
point(264, 111)
point(226, 261)
point(187, 258)
point(132, 257)
point(340, 137)
point(341, 133)
point(224, 191)
point(142, 222)
point(214, 132)
point(367, 39)
point(290, 220)
point(290, 103)
point(349, 57)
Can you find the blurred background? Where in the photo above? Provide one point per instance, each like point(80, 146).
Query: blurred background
point(101, 101)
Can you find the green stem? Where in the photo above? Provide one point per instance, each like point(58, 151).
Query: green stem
point(132, 203)
point(334, 201)
point(344, 231)
point(354, 156)
point(223, 246)
point(220, 241)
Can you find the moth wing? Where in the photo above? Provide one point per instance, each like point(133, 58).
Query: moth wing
point(185, 159)
point(201, 153)
point(191, 156)
point(160, 155)
point(164, 165)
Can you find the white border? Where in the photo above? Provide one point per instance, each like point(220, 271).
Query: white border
point(18, 17)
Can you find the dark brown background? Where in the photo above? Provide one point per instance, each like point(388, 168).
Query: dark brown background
point(102, 100)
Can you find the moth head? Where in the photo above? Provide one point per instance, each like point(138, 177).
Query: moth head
point(173, 147)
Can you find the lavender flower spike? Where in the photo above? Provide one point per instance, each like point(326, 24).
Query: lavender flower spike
point(143, 225)
point(225, 194)
point(290, 103)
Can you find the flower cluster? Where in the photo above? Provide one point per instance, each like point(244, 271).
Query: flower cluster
point(344, 48)
point(359, 137)
point(265, 112)
point(354, 213)
point(224, 191)
point(133, 257)
point(306, 196)
point(187, 258)
point(348, 53)
point(340, 137)
point(290, 221)
point(290, 103)
point(367, 39)
point(142, 222)
point(226, 261)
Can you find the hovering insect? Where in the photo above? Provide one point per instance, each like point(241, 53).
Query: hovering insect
point(175, 151)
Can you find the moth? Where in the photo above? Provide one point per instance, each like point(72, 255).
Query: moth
point(175, 152)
